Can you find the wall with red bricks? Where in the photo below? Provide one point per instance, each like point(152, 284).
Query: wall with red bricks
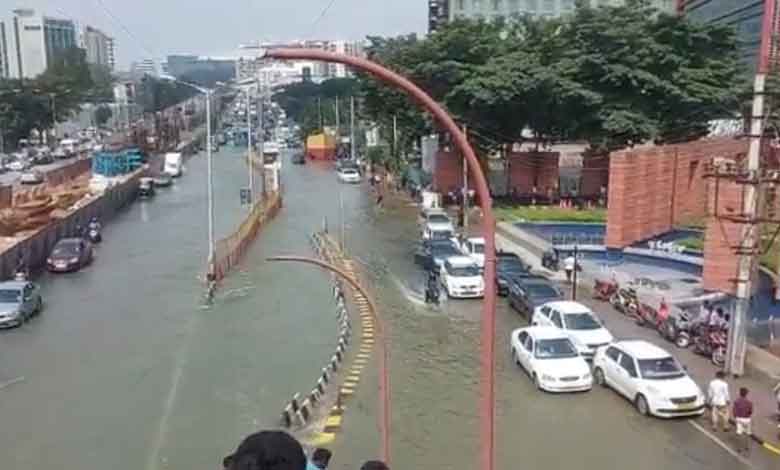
point(595, 174)
point(721, 238)
point(447, 171)
point(6, 197)
point(529, 169)
point(651, 189)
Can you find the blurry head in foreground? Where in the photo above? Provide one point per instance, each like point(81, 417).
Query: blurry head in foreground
point(267, 450)
point(374, 465)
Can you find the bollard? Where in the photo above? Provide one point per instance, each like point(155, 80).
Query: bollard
point(340, 349)
point(321, 385)
point(339, 355)
point(325, 375)
point(294, 402)
point(314, 397)
point(334, 365)
point(287, 417)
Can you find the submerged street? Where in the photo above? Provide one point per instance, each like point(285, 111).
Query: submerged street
point(127, 366)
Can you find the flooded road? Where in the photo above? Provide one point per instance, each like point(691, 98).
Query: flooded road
point(126, 368)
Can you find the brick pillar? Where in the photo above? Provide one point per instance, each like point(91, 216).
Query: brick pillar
point(448, 171)
point(619, 183)
point(720, 260)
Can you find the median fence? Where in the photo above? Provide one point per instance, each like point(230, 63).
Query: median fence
point(323, 405)
point(229, 251)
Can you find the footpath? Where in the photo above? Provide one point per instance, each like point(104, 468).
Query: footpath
point(763, 370)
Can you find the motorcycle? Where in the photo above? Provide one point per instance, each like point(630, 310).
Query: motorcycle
point(678, 330)
point(21, 275)
point(645, 315)
point(625, 300)
point(603, 290)
point(93, 233)
point(432, 293)
point(712, 343)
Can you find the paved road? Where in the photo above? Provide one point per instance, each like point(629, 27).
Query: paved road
point(125, 369)
point(434, 382)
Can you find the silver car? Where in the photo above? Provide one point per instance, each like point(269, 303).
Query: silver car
point(19, 301)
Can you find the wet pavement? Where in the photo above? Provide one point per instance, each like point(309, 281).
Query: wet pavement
point(434, 383)
point(125, 368)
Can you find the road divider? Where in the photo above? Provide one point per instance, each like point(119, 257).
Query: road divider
point(229, 251)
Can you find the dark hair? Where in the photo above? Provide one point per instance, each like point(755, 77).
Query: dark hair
point(321, 457)
point(719, 311)
point(267, 450)
point(743, 392)
point(374, 465)
point(720, 374)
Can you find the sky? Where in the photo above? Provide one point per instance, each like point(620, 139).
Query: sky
point(156, 28)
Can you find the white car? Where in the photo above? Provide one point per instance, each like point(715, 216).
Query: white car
point(462, 278)
point(577, 321)
point(551, 359)
point(438, 222)
point(349, 175)
point(31, 177)
point(650, 377)
point(474, 248)
point(17, 165)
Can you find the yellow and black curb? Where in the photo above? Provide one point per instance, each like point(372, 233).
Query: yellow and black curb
point(299, 413)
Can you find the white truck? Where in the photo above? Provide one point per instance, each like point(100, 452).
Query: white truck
point(173, 164)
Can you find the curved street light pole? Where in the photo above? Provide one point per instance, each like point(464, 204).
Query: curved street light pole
point(488, 323)
point(384, 380)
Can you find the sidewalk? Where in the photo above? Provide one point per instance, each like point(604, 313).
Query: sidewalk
point(701, 369)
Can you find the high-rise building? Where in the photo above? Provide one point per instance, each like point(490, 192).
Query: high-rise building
point(97, 44)
point(537, 8)
point(111, 54)
point(37, 41)
point(4, 66)
point(438, 13)
point(745, 16)
point(248, 67)
point(144, 67)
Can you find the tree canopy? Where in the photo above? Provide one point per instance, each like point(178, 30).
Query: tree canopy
point(611, 76)
point(313, 105)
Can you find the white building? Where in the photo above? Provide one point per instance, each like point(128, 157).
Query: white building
point(4, 65)
point(98, 46)
point(36, 41)
point(111, 52)
point(537, 8)
point(144, 67)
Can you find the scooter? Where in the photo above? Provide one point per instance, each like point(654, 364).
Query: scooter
point(93, 233)
point(432, 293)
point(646, 315)
point(625, 300)
point(603, 290)
point(677, 329)
point(712, 343)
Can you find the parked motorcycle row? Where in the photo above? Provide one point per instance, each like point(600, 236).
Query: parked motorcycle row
point(678, 328)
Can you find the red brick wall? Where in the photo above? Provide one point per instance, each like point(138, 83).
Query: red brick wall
point(653, 188)
point(529, 169)
point(595, 174)
point(69, 172)
point(6, 196)
point(721, 262)
point(448, 171)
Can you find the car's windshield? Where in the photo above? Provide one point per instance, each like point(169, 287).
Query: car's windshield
point(558, 348)
point(441, 235)
point(660, 369)
point(541, 291)
point(8, 296)
point(463, 271)
point(581, 321)
point(66, 249)
point(438, 219)
point(349, 171)
point(443, 250)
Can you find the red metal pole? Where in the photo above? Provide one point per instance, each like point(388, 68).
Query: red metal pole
point(488, 324)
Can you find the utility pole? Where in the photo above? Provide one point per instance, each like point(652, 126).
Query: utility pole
point(737, 343)
point(250, 157)
point(210, 176)
point(341, 221)
point(465, 187)
point(338, 122)
point(261, 123)
point(352, 127)
point(574, 274)
point(319, 112)
point(395, 136)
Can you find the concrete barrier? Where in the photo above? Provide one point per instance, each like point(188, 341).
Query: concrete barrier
point(36, 247)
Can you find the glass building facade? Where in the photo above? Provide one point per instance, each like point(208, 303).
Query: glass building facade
point(744, 15)
point(59, 35)
point(538, 8)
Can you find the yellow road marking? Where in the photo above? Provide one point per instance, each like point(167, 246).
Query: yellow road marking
point(323, 438)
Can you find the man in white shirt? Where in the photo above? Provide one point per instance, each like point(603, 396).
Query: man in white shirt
point(718, 397)
point(568, 265)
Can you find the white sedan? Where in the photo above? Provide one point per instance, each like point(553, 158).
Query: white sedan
point(349, 175)
point(649, 377)
point(462, 278)
point(31, 177)
point(551, 359)
point(577, 321)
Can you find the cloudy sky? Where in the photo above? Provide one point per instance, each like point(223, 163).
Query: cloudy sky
point(156, 28)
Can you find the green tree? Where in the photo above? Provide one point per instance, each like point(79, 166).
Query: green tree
point(102, 115)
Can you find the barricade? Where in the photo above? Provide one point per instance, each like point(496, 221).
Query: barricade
point(229, 251)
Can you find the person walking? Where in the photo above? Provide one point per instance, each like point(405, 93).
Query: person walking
point(569, 264)
point(743, 415)
point(319, 459)
point(718, 397)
